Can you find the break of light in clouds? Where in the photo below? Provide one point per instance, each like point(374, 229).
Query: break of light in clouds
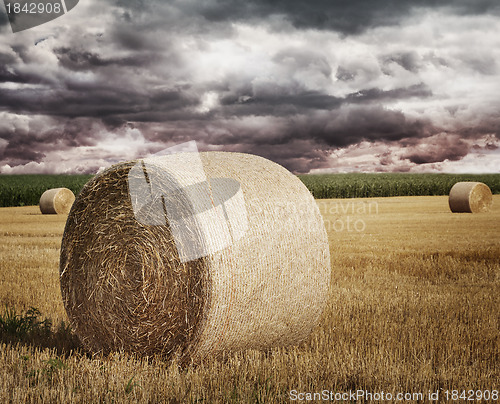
point(317, 86)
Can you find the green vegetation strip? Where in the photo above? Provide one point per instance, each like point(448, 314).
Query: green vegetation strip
point(25, 190)
point(394, 184)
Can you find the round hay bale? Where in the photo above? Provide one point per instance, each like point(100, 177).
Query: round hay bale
point(248, 270)
point(56, 201)
point(470, 197)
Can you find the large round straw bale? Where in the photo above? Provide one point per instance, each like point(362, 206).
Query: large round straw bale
point(56, 201)
point(133, 282)
point(470, 197)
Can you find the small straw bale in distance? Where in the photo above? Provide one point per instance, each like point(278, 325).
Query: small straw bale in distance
point(56, 201)
point(125, 287)
point(470, 197)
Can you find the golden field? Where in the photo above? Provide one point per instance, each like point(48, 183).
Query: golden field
point(414, 308)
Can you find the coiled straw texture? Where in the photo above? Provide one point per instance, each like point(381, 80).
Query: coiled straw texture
point(251, 271)
point(470, 197)
point(56, 201)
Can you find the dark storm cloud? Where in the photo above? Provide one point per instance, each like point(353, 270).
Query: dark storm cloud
point(442, 148)
point(7, 75)
point(116, 94)
point(297, 155)
point(355, 124)
point(488, 125)
point(98, 103)
point(279, 103)
point(10, 72)
point(294, 101)
point(304, 142)
point(301, 142)
point(324, 131)
point(375, 94)
point(292, 98)
point(345, 74)
point(6, 59)
point(17, 153)
point(407, 60)
point(348, 17)
point(23, 145)
point(75, 132)
point(99, 100)
point(4, 20)
point(29, 140)
point(79, 60)
point(22, 51)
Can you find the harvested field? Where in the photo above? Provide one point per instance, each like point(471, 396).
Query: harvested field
point(413, 308)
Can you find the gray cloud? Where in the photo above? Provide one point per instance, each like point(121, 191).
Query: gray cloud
point(376, 94)
point(442, 148)
point(4, 21)
point(175, 71)
point(84, 60)
point(346, 17)
point(407, 60)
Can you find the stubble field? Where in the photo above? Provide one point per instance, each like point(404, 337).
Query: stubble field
point(414, 309)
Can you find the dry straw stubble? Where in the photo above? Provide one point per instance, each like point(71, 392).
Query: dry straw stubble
point(470, 197)
point(56, 201)
point(125, 286)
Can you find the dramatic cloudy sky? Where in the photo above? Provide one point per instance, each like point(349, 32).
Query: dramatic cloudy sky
point(316, 85)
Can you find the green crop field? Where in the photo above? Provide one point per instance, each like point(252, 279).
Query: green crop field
point(394, 184)
point(25, 190)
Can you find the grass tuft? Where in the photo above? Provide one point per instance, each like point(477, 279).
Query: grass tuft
point(24, 325)
point(29, 328)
